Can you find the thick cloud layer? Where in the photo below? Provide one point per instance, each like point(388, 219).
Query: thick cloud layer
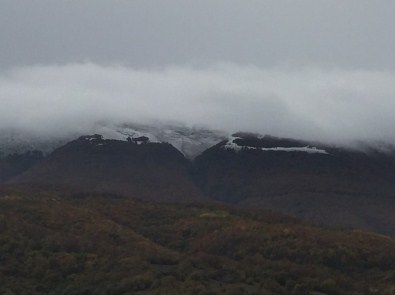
point(311, 103)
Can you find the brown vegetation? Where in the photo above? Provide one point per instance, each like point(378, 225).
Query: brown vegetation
point(101, 244)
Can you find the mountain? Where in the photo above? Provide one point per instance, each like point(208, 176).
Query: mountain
point(191, 141)
point(126, 212)
point(136, 167)
point(14, 164)
point(19, 142)
point(325, 184)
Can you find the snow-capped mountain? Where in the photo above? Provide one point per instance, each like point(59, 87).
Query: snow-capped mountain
point(20, 142)
point(322, 183)
point(235, 143)
point(191, 141)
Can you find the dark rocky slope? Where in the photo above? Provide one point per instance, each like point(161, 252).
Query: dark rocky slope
point(15, 164)
point(331, 186)
point(326, 185)
point(155, 171)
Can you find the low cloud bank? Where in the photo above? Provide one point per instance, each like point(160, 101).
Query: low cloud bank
point(309, 103)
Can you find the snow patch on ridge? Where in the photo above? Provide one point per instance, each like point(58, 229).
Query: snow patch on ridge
point(190, 141)
point(123, 134)
point(231, 145)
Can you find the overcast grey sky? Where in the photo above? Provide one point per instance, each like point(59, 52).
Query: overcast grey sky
point(320, 69)
point(347, 33)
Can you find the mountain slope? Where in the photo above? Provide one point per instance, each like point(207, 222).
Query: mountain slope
point(328, 185)
point(136, 168)
point(14, 164)
point(325, 184)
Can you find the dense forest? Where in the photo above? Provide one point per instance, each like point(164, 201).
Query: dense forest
point(106, 244)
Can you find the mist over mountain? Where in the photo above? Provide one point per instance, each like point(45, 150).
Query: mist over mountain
point(312, 103)
point(197, 147)
point(190, 141)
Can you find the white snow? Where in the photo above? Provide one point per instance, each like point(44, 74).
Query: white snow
point(230, 144)
point(118, 133)
point(306, 149)
point(189, 141)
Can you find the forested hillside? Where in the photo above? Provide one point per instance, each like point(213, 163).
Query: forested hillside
point(104, 244)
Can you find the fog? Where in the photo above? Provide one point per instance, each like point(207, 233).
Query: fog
point(311, 69)
point(326, 104)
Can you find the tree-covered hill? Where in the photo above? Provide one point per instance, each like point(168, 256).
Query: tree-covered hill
point(103, 244)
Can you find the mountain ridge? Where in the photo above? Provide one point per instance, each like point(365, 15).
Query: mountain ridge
point(325, 184)
point(191, 141)
point(91, 163)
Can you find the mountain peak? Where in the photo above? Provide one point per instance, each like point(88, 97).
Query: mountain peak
point(190, 141)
